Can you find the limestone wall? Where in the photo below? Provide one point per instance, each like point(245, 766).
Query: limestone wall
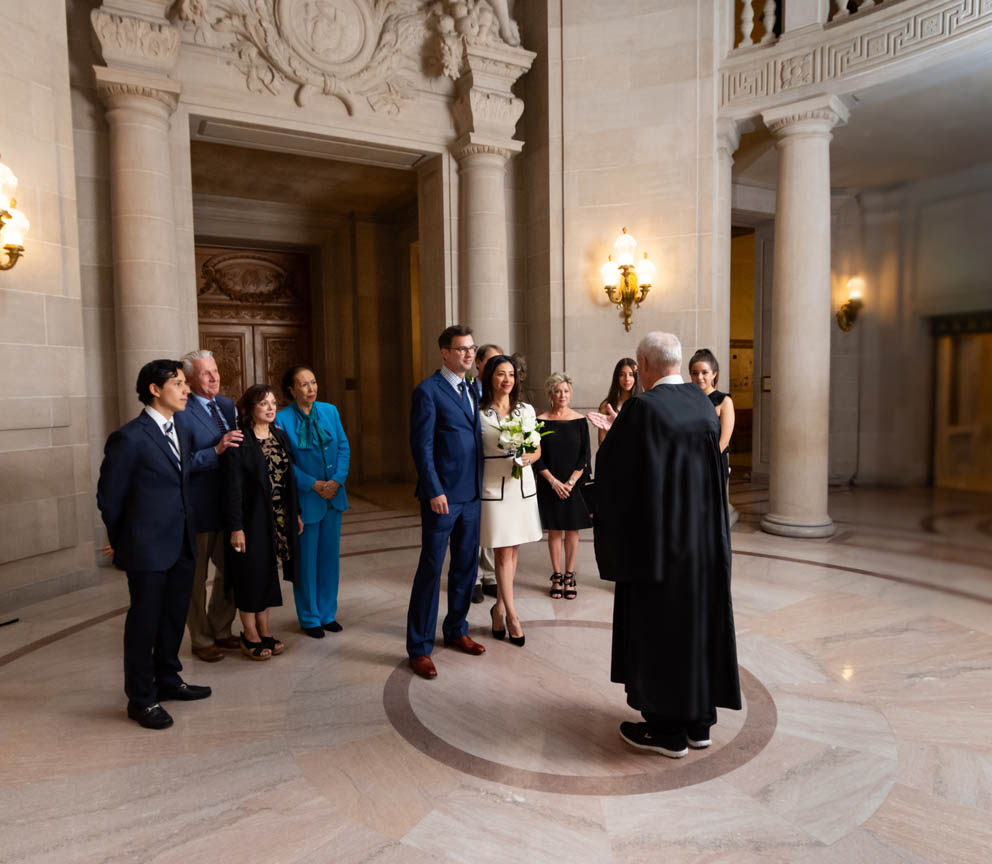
point(46, 502)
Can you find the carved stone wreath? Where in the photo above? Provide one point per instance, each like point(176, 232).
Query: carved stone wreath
point(245, 278)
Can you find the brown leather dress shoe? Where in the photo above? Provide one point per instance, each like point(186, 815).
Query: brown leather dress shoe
point(231, 643)
point(466, 645)
point(423, 666)
point(209, 653)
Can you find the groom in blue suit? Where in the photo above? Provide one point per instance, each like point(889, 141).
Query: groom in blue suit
point(446, 440)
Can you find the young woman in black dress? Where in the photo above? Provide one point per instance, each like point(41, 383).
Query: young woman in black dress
point(563, 464)
point(262, 516)
point(624, 384)
point(705, 372)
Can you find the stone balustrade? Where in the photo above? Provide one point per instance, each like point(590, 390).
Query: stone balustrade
point(761, 21)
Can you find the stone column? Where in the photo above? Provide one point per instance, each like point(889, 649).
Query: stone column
point(801, 318)
point(140, 101)
point(486, 113)
point(728, 137)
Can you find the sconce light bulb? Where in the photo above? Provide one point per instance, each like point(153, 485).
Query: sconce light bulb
point(855, 287)
point(624, 246)
point(14, 229)
point(8, 187)
point(646, 271)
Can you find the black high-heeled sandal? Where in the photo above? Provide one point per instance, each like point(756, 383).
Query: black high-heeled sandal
point(273, 644)
point(255, 650)
point(497, 634)
point(570, 588)
point(557, 586)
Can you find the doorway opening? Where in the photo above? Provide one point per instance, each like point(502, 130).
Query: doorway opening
point(305, 260)
point(740, 365)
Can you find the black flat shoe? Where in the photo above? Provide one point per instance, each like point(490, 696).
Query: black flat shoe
point(333, 627)
point(150, 716)
point(315, 632)
point(497, 634)
point(184, 693)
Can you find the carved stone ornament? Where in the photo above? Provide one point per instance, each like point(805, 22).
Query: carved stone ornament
point(349, 49)
point(135, 43)
point(458, 23)
point(245, 277)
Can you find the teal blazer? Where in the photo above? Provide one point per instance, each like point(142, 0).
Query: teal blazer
point(330, 463)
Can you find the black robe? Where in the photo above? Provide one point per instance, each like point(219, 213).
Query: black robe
point(663, 535)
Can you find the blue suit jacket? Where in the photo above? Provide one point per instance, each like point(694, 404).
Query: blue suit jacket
point(144, 498)
point(446, 440)
point(206, 482)
point(331, 463)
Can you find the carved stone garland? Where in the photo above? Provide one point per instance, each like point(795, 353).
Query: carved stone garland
point(350, 49)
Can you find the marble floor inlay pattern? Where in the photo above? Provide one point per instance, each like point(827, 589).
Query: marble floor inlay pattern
point(866, 665)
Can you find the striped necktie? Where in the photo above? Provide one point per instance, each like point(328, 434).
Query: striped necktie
point(215, 413)
point(167, 429)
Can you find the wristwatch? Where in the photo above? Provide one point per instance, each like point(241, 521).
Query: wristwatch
point(570, 481)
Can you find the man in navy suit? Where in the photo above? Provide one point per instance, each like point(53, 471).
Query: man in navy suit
point(143, 496)
point(210, 420)
point(446, 440)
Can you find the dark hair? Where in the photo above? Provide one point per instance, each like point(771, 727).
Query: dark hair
point(704, 355)
point(487, 381)
point(246, 404)
point(482, 350)
point(156, 372)
point(613, 397)
point(288, 377)
point(445, 339)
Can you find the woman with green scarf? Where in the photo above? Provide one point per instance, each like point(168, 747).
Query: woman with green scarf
point(320, 455)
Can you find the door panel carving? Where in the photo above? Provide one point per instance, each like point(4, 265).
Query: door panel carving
point(254, 314)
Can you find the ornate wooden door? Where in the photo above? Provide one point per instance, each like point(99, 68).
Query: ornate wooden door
point(254, 311)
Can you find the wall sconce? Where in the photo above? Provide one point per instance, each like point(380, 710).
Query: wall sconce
point(627, 283)
point(848, 313)
point(13, 223)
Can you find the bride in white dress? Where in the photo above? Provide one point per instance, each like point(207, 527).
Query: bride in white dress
point(509, 505)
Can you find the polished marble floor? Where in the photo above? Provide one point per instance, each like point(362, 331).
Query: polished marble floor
point(866, 736)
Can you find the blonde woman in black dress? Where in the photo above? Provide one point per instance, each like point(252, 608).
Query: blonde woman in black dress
point(563, 464)
point(261, 512)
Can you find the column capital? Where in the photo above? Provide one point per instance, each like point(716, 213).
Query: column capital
point(485, 110)
point(728, 135)
point(114, 84)
point(816, 116)
point(138, 42)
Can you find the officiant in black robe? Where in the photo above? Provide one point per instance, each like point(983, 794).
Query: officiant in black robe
point(662, 535)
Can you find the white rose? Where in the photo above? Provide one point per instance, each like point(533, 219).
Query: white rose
point(534, 439)
point(505, 440)
point(528, 423)
point(517, 440)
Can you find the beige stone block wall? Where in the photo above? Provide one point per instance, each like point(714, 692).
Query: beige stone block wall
point(46, 544)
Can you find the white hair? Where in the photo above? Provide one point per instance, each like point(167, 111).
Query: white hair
point(661, 351)
point(199, 354)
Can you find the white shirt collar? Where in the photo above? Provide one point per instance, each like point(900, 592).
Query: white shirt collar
point(669, 379)
point(158, 418)
point(452, 378)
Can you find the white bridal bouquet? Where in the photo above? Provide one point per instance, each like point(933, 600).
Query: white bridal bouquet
point(520, 434)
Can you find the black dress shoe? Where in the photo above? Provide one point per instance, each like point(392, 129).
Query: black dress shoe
point(333, 627)
point(315, 632)
point(477, 593)
point(150, 716)
point(185, 693)
point(489, 589)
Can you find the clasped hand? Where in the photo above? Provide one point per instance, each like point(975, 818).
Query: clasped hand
point(563, 489)
point(326, 489)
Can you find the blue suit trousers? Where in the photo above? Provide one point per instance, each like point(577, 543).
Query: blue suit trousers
point(316, 586)
point(461, 526)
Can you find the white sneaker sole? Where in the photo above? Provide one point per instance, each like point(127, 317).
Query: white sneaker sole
point(700, 745)
point(671, 754)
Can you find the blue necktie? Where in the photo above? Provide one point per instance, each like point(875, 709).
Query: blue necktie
point(215, 413)
point(465, 397)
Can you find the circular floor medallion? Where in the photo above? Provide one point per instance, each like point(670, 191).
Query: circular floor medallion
point(546, 717)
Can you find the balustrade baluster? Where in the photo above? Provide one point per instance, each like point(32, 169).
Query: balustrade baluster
point(747, 23)
point(842, 10)
point(768, 19)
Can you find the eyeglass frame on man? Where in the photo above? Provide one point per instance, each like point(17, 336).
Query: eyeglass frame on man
point(465, 350)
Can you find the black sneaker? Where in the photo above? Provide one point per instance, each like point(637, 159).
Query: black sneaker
point(150, 716)
point(698, 737)
point(314, 632)
point(185, 692)
point(640, 736)
point(332, 627)
point(477, 595)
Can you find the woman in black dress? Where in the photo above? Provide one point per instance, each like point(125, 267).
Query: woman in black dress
point(705, 372)
point(262, 516)
point(563, 464)
point(623, 386)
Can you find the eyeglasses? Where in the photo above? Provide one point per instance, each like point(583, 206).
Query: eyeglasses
point(465, 350)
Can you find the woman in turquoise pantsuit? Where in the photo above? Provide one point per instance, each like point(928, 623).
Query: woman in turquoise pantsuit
point(320, 461)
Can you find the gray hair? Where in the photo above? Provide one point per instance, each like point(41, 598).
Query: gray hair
point(554, 379)
point(661, 351)
point(199, 354)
